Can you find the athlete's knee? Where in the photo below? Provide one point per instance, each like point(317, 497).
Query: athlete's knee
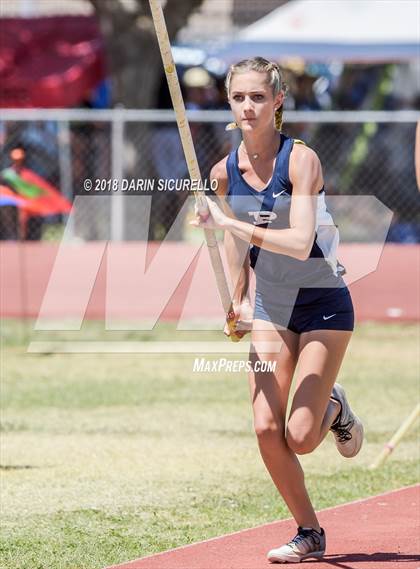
point(300, 439)
point(268, 432)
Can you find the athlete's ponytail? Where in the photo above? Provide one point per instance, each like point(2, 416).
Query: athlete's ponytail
point(278, 118)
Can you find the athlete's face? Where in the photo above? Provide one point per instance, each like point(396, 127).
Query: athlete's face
point(252, 101)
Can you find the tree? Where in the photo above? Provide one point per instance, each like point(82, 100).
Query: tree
point(131, 46)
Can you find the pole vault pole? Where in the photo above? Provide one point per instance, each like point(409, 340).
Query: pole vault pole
point(191, 159)
point(399, 434)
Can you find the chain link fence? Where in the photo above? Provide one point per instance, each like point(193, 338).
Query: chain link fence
point(362, 153)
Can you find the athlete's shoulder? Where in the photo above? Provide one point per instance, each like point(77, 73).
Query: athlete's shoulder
point(219, 173)
point(305, 166)
point(300, 148)
point(303, 155)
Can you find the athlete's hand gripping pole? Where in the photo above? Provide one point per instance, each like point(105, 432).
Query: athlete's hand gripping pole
point(191, 159)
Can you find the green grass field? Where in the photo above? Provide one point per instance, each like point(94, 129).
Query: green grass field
point(109, 457)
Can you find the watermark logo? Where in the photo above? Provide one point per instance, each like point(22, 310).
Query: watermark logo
point(137, 284)
point(221, 365)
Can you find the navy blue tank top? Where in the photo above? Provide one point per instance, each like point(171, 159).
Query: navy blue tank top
point(270, 208)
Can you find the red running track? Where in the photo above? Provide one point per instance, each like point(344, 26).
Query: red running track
point(388, 291)
point(382, 532)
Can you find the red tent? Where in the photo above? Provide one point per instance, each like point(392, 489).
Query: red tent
point(49, 62)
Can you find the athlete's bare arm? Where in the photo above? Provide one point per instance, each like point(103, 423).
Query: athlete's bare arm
point(236, 249)
point(237, 253)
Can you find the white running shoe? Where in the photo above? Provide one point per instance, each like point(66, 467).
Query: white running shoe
point(307, 543)
point(347, 428)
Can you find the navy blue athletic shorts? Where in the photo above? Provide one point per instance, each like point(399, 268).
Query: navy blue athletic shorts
point(331, 309)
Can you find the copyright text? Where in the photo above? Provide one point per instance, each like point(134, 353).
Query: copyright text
point(138, 185)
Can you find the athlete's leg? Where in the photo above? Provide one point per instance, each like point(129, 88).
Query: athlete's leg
point(312, 413)
point(269, 395)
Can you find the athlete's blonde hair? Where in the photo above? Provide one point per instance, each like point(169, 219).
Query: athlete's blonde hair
point(274, 80)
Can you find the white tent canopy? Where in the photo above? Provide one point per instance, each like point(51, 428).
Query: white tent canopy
point(327, 30)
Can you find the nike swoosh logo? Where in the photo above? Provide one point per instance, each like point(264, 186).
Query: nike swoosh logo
point(328, 317)
point(279, 194)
